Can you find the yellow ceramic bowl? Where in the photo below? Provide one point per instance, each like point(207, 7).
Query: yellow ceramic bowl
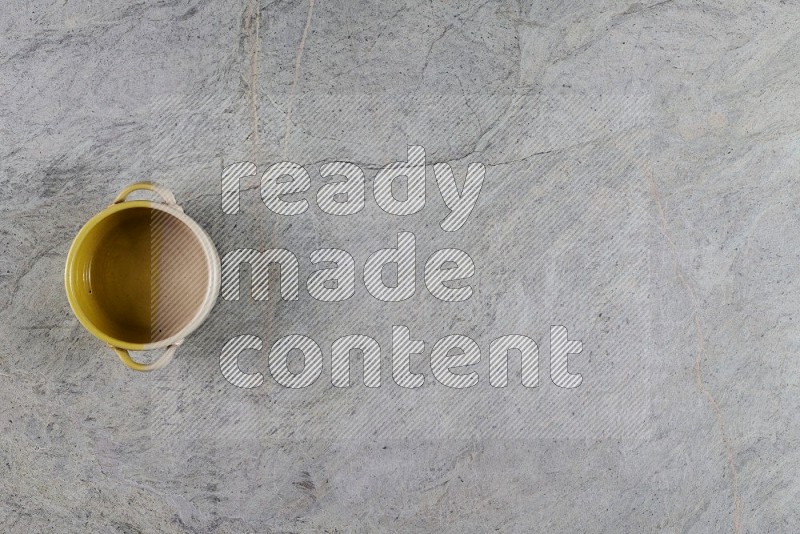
point(142, 275)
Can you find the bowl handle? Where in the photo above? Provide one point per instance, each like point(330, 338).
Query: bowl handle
point(165, 194)
point(158, 363)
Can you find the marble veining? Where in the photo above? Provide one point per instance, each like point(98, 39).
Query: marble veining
point(641, 189)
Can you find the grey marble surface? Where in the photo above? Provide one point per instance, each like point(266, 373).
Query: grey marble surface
point(641, 189)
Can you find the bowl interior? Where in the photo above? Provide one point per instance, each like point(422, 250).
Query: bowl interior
point(140, 275)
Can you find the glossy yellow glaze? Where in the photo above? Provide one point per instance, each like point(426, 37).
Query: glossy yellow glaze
point(108, 275)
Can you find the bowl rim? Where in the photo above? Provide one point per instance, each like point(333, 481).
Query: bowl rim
point(212, 289)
